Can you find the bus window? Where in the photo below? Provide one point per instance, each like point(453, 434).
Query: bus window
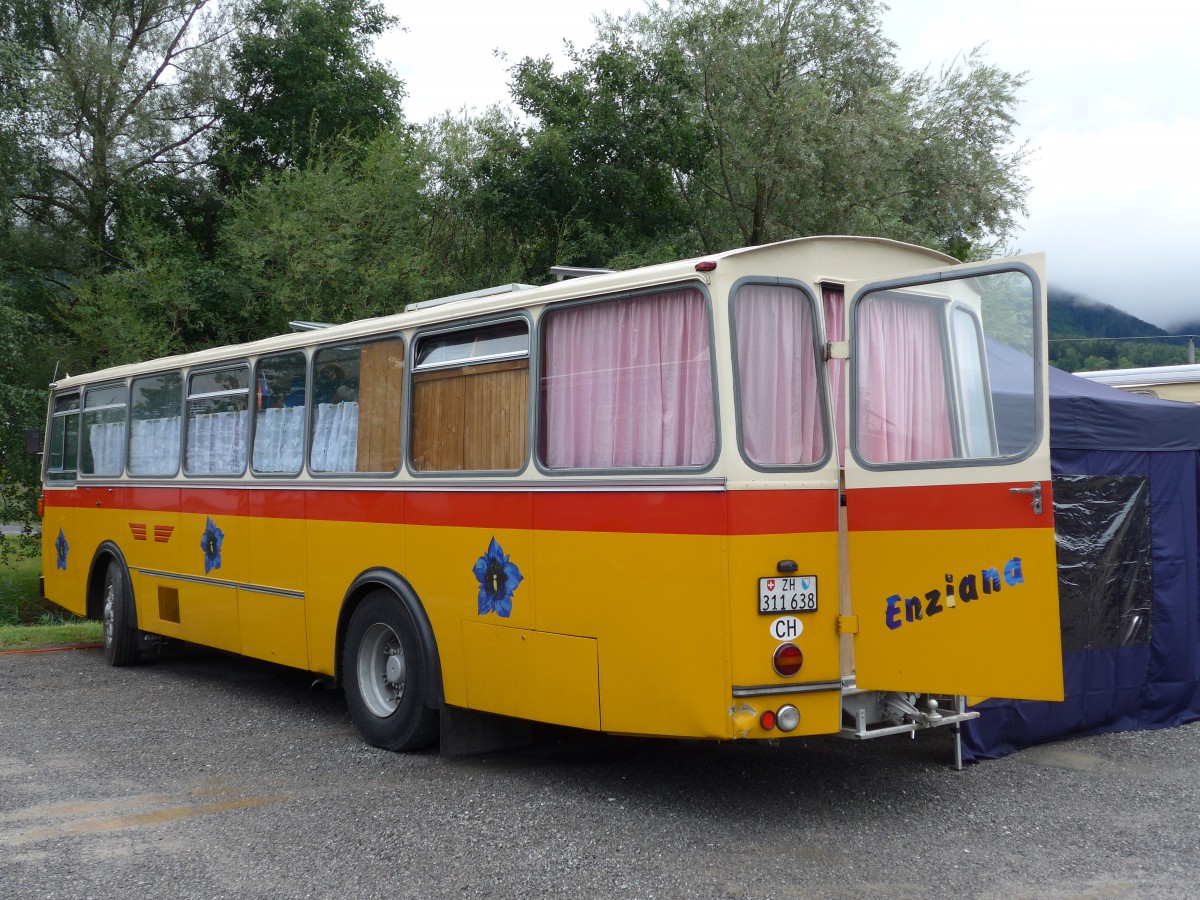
point(103, 430)
point(155, 422)
point(979, 436)
point(62, 449)
point(470, 403)
point(628, 384)
point(780, 418)
point(357, 396)
point(946, 373)
point(216, 422)
point(279, 414)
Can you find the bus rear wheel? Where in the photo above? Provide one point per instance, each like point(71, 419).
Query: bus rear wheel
point(120, 635)
point(384, 669)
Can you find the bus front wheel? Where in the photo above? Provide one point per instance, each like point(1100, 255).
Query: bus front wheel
point(120, 634)
point(384, 673)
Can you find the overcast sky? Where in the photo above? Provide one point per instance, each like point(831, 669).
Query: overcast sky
point(1111, 111)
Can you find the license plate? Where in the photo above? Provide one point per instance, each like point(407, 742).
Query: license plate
point(790, 594)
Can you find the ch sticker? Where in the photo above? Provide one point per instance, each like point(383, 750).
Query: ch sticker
point(787, 628)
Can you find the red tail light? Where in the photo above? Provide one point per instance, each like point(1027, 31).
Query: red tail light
point(787, 660)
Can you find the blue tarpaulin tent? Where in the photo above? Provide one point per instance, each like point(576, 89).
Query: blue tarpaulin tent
point(1127, 506)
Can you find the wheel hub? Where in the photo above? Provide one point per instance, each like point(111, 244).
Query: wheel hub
point(395, 669)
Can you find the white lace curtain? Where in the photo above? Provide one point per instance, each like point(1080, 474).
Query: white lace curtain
point(106, 440)
point(216, 443)
point(154, 446)
point(279, 439)
point(335, 437)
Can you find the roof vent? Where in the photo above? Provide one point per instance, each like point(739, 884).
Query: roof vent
point(470, 295)
point(564, 273)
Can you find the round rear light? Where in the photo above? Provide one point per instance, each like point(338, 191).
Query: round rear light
point(787, 660)
point(788, 718)
point(767, 720)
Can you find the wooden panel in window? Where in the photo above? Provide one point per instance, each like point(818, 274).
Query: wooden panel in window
point(494, 431)
point(380, 393)
point(471, 417)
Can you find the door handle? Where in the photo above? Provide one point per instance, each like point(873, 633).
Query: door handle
point(1035, 490)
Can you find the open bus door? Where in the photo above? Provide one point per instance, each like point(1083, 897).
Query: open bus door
point(950, 526)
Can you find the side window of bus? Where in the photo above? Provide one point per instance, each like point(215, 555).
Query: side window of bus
point(779, 391)
point(470, 404)
point(627, 383)
point(217, 417)
point(156, 422)
point(279, 394)
point(62, 450)
point(946, 372)
point(358, 393)
point(103, 444)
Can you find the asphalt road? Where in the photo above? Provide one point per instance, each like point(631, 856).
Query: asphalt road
point(203, 775)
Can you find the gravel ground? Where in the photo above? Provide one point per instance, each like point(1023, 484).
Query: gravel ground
point(204, 775)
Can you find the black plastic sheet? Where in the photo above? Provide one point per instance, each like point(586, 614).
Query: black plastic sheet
point(1105, 575)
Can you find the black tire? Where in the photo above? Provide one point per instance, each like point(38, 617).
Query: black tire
point(120, 629)
point(384, 672)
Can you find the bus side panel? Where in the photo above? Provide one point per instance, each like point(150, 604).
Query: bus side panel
point(272, 620)
point(215, 552)
point(807, 524)
point(451, 537)
point(645, 574)
point(152, 519)
point(345, 534)
point(546, 677)
point(65, 558)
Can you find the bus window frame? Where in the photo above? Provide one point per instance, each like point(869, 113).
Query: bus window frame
point(63, 475)
point(464, 325)
point(182, 415)
point(255, 363)
point(310, 407)
point(83, 409)
point(206, 369)
point(819, 339)
point(930, 280)
point(632, 471)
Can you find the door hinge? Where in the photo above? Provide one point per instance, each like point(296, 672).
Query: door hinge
point(837, 350)
point(847, 624)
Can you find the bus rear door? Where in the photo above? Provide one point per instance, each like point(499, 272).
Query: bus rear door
point(950, 525)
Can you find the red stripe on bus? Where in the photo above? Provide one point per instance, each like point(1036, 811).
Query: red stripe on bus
point(637, 512)
point(954, 507)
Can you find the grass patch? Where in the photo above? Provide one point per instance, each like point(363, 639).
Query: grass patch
point(27, 621)
point(19, 600)
point(33, 637)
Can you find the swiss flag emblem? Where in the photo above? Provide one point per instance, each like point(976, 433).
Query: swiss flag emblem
point(770, 584)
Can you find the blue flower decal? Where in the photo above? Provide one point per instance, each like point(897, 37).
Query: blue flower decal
point(210, 543)
point(498, 577)
point(61, 548)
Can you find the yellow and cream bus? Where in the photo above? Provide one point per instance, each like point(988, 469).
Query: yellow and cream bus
point(705, 499)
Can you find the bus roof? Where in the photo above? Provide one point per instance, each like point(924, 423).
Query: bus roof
point(487, 302)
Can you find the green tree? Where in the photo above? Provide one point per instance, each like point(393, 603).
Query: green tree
point(22, 406)
point(336, 240)
point(113, 92)
point(305, 79)
point(778, 118)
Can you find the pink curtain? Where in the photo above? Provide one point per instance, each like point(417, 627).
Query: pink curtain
point(903, 415)
point(777, 375)
point(628, 383)
point(833, 300)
